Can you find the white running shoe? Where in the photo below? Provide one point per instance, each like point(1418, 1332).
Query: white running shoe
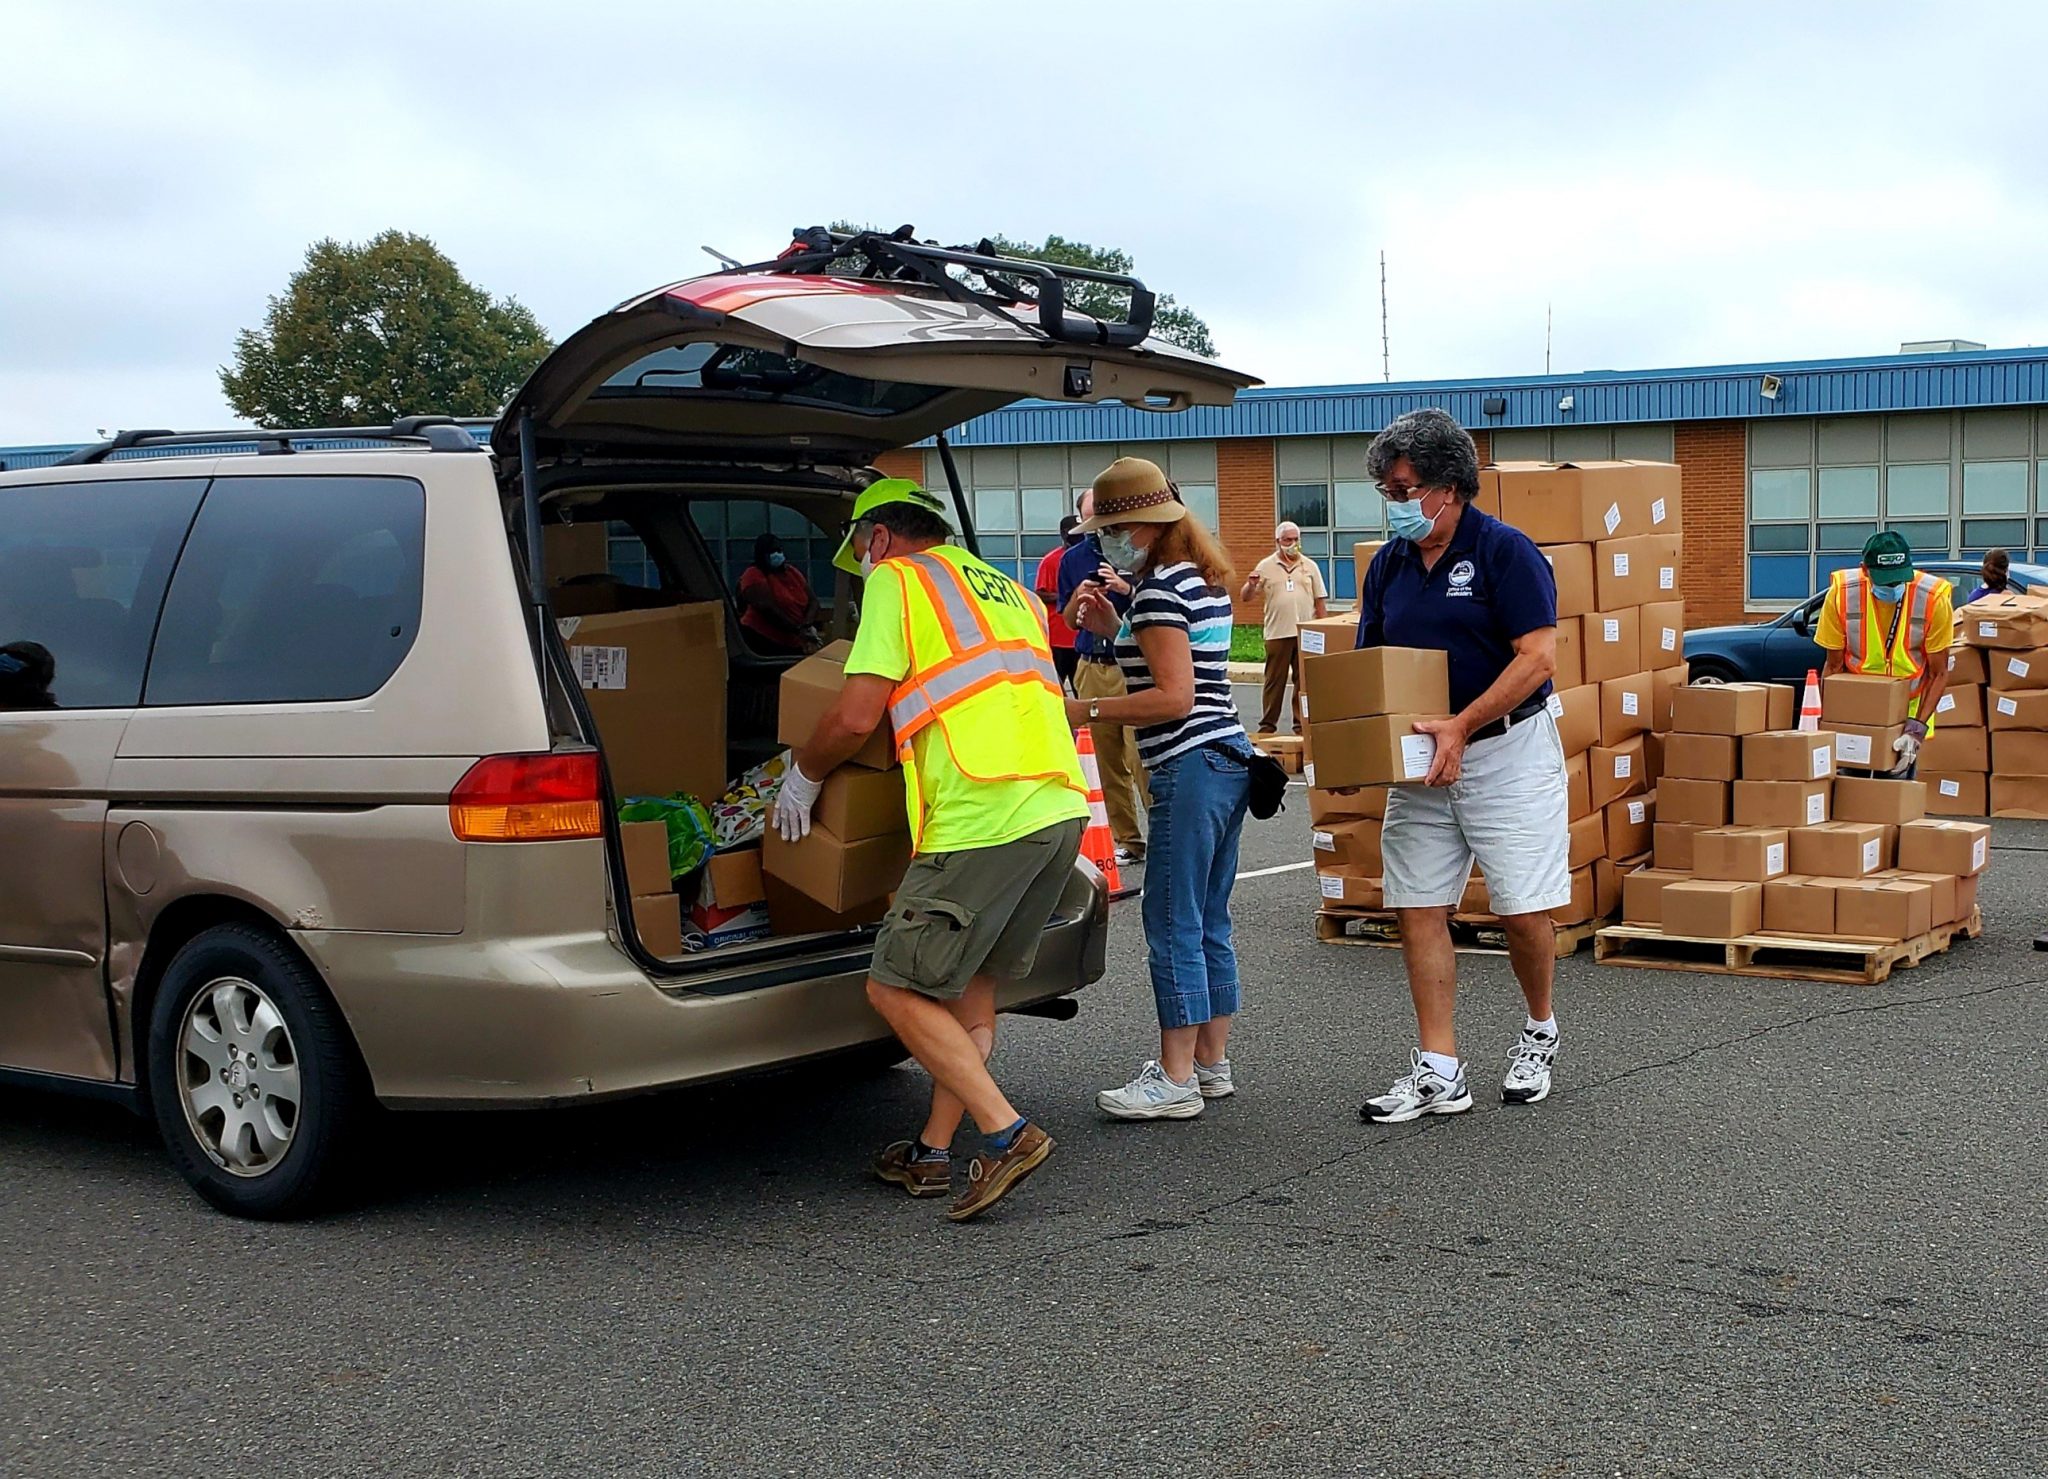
point(1215, 1081)
point(1528, 1076)
point(1419, 1091)
point(1151, 1096)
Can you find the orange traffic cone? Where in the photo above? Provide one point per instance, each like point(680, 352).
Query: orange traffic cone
point(1097, 845)
point(1809, 705)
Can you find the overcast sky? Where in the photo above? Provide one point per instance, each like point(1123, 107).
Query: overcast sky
point(1684, 184)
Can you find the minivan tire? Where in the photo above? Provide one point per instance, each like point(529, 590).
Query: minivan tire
point(248, 974)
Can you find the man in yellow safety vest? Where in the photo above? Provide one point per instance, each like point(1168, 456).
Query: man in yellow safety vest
point(1883, 618)
point(954, 654)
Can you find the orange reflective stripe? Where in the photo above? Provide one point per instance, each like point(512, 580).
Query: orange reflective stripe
point(965, 628)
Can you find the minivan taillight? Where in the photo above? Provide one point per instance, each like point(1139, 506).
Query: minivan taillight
point(529, 798)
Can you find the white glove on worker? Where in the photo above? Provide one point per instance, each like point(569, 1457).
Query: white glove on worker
point(793, 803)
point(1907, 745)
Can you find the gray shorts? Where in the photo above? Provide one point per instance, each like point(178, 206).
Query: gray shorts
point(958, 915)
point(1508, 810)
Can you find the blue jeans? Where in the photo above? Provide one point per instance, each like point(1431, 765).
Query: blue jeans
point(1197, 817)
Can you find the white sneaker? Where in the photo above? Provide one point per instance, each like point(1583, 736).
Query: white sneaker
point(1419, 1091)
point(1151, 1096)
point(1129, 857)
point(1528, 1076)
point(1214, 1081)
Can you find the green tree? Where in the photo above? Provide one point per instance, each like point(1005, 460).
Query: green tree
point(363, 334)
point(1171, 321)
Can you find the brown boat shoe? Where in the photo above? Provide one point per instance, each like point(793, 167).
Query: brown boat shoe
point(898, 1165)
point(991, 1178)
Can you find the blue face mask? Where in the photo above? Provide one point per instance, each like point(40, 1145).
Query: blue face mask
point(1886, 593)
point(777, 559)
point(1406, 520)
point(1118, 549)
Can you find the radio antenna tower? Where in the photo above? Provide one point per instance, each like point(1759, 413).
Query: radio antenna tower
point(1386, 362)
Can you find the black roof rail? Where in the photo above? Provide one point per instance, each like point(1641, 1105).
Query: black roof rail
point(437, 433)
point(998, 282)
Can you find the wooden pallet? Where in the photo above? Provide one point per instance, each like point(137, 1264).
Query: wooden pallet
point(1471, 934)
point(1776, 955)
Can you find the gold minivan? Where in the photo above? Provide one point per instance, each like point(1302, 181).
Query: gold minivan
point(302, 806)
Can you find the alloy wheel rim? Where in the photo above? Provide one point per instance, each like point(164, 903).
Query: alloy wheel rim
point(238, 1076)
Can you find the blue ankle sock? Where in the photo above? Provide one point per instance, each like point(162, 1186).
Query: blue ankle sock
point(919, 1151)
point(997, 1144)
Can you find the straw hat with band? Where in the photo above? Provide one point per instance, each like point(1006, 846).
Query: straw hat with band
point(1134, 491)
point(876, 495)
point(1888, 558)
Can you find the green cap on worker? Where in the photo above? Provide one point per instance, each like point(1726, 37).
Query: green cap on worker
point(1888, 558)
point(874, 496)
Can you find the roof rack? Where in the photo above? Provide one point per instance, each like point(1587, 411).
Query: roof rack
point(995, 281)
point(435, 433)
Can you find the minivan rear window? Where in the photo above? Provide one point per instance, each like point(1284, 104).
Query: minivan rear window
point(759, 374)
point(293, 590)
point(82, 572)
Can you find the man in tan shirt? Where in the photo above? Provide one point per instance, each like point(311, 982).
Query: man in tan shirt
point(1293, 592)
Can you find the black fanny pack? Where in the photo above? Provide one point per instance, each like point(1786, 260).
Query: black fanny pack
point(1269, 782)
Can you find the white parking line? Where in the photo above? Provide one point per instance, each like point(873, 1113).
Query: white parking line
point(1283, 868)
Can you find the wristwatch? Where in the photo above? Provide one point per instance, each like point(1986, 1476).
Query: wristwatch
point(1094, 709)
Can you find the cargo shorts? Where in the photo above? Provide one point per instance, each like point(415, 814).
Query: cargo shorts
point(981, 911)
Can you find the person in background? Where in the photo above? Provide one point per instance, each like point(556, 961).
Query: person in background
point(1174, 652)
point(1047, 588)
point(1292, 591)
point(777, 610)
point(1881, 617)
point(1455, 579)
point(1997, 576)
point(1097, 676)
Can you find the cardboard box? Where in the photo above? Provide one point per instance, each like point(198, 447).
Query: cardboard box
point(1577, 714)
point(1961, 704)
point(1839, 849)
point(1857, 698)
point(1663, 629)
point(2014, 796)
point(1712, 909)
point(1352, 847)
point(2014, 671)
point(1788, 755)
point(1607, 876)
point(1379, 751)
point(1672, 845)
point(1630, 826)
point(722, 927)
point(1572, 564)
point(1584, 907)
point(1720, 708)
point(832, 871)
point(857, 803)
point(1611, 644)
point(1642, 894)
point(1884, 909)
point(645, 845)
point(2024, 710)
point(1784, 705)
point(571, 551)
point(809, 689)
point(1701, 803)
point(1780, 803)
point(1653, 757)
point(1635, 571)
point(1571, 660)
point(1966, 665)
point(1743, 854)
point(1578, 790)
point(1625, 708)
point(1664, 684)
point(1475, 900)
point(2019, 752)
point(1953, 748)
point(1941, 887)
point(1331, 634)
point(791, 913)
point(1865, 747)
point(1966, 895)
point(1364, 681)
point(732, 880)
point(1944, 845)
point(1873, 799)
point(1361, 559)
point(1799, 905)
point(1346, 889)
point(655, 682)
point(1577, 503)
point(1961, 793)
point(2015, 621)
point(1588, 840)
point(658, 920)
point(1330, 806)
point(1703, 757)
point(1615, 771)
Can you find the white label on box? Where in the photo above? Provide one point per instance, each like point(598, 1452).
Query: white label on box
point(1417, 751)
point(1978, 852)
point(1323, 841)
point(1987, 628)
point(1636, 811)
point(2017, 666)
point(1629, 704)
point(1613, 517)
point(1951, 788)
point(1948, 701)
point(1610, 629)
point(1823, 761)
point(1871, 852)
point(1333, 886)
point(1853, 749)
point(1774, 858)
point(1308, 773)
point(1670, 639)
point(599, 667)
point(1816, 809)
point(1667, 578)
point(2005, 706)
point(1302, 699)
point(1555, 704)
point(1312, 642)
point(1621, 562)
point(1624, 767)
point(1657, 511)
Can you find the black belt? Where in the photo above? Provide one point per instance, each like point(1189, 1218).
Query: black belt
point(1091, 657)
point(1525, 711)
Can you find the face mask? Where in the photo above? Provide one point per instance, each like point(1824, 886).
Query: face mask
point(1885, 593)
point(1118, 549)
point(1290, 552)
point(777, 560)
point(1406, 520)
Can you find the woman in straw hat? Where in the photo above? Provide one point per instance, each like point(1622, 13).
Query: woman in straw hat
point(1174, 650)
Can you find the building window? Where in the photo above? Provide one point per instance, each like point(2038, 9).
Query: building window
point(1323, 487)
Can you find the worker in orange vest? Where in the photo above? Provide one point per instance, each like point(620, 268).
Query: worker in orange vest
point(1883, 618)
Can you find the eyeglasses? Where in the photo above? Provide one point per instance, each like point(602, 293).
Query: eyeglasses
point(1400, 493)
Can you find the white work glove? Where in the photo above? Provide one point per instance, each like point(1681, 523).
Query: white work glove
point(1907, 745)
point(793, 803)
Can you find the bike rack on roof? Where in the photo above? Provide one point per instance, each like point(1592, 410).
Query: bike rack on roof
point(435, 433)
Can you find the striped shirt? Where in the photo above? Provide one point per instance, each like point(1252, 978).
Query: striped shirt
point(1174, 596)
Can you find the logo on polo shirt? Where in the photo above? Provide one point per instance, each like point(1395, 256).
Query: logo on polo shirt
point(1461, 578)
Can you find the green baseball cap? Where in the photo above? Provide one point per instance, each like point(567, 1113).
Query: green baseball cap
point(874, 496)
point(1888, 558)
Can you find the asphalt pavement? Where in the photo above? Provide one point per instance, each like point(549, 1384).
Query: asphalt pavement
point(1760, 1227)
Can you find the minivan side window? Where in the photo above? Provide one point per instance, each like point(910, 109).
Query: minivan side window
point(293, 590)
point(82, 572)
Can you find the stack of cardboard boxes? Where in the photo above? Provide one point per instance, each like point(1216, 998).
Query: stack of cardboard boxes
point(1759, 831)
point(1998, 680)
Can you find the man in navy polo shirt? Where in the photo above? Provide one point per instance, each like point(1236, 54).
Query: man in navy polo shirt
point(1456, 579)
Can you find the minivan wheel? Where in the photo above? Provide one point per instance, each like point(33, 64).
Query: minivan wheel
point(251, 1073)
